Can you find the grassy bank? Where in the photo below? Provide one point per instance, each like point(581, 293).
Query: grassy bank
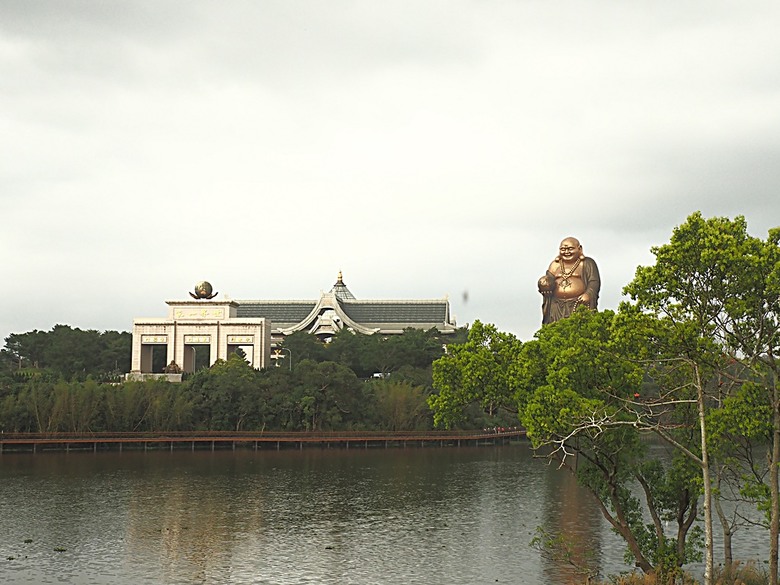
point(738, 574)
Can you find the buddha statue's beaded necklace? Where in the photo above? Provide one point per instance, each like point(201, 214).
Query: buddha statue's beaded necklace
point(566, 275)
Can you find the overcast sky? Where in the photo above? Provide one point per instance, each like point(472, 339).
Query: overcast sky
point(424, 148)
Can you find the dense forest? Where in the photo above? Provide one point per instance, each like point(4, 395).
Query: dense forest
point(72, 380)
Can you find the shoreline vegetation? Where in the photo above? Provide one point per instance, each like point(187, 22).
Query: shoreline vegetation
point(738, 574)
point(325, 388)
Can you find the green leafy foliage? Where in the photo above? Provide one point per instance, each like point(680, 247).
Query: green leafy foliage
point(398, 405)
point(483, 370)
point(70, 352)
point(691, 359)
point(713, 293)
point(47, 384)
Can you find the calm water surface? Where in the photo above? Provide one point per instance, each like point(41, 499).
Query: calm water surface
point(416, 515)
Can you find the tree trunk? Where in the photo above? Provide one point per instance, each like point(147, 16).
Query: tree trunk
point(684, 526)
point(774, 518)
point(620, 524)
point(725, 525)
point(705, 476)
point(728, 557)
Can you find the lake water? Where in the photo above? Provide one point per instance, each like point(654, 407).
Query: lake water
point(375, 516)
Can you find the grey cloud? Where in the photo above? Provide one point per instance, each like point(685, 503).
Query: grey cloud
point(452, 144)
point(167, 44)
point(77, 21)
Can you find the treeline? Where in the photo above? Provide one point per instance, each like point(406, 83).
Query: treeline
point(355, 382)
point(69, 353)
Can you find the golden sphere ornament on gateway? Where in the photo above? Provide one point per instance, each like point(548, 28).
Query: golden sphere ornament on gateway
point(203, 290)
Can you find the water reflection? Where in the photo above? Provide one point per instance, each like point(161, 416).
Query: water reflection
point(571, 512)
point(420, 515)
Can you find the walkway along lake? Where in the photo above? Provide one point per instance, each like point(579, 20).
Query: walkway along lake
point(34, 442)
point(326, 516)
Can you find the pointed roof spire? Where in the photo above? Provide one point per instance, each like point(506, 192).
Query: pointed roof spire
point(340, 289)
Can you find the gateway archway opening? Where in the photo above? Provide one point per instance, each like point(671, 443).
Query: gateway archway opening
point(245, 351)
point(154, 357)
point(196, 357)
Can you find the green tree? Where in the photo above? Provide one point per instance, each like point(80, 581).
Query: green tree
point(360, 353)
point(152, 405)
point(740, 430)
point(222, 394)
point(169, 407)
point(277, 404)
point(577, 400)
point(399, 405)
point(483, 370)
point(71, 352)
point(303, 346)
point(328, 395)
point(716, 290)
point(115, 355)
point(369, 354)
point(77, 406)
point(36, 401)
point(126, 406)
point(575, 388)
point(26, 349)
point(415, 348)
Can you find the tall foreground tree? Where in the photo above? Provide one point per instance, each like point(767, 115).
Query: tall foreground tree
point(581, 383)
point(702, 325)
point(681, 366)
point(718, 289)
point(573, 388)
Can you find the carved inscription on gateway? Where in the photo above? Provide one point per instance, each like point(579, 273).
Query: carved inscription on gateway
point(199, 313)
point(197, 339)
point(154, 339)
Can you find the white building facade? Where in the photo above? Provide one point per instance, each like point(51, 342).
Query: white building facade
point(199, 323)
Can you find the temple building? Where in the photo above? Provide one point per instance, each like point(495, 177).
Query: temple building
point(338, 309)
point(203, 329)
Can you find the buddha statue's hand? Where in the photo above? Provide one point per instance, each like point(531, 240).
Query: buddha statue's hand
point(546, 285)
